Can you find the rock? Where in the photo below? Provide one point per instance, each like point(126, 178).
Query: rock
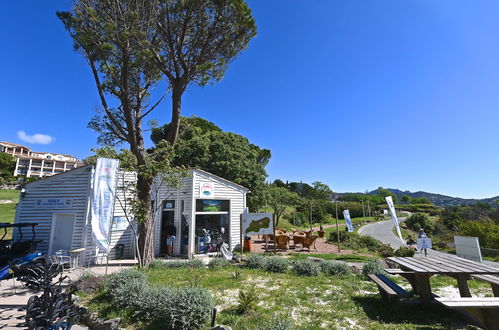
point(111, 324)
point(221, 327)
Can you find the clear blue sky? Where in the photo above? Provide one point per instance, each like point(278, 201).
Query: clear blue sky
point(355, 93)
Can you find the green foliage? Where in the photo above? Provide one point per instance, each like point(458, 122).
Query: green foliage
point(385, 250)
point(404, 252)
point(246, 301)
point(306, 268)
point(276, 323)
point(372, 267)
point(7, 167)
point(335, 268)
point(195, 263)
point(174, 308)
point(279, 200)
point(216, 263)
point(487, 233)
point(276, 265)
point(419, 221)
point(256, 261)
point(355, 241)
point(201, 144)
point(424, 208)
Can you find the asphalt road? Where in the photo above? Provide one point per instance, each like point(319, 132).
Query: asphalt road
point(382, 231)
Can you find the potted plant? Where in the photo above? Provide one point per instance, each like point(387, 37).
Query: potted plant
point(321, 231)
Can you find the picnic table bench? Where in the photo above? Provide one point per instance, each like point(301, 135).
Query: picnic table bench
point(485, 310)
point(492, 280)
point(389, 290)
point(453, 266)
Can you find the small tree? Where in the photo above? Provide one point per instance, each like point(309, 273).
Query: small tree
point(419, 221)
point(280, 199)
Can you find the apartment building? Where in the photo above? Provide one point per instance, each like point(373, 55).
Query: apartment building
point(33, 163)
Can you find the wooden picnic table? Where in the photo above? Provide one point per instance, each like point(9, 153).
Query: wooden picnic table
point(419, 271)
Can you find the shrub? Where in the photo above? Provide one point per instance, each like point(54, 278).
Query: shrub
point(130, 294)
point(404, 252)
point(256, 261)
point(196, 263)
point(418, 221)
point(157, 264)
point(385, 250)
point(117, 280)
point(335, 268)
point(186, 308)
point(247, 301)
point(276, 265)
point(369, 243)
point(216, 263)
point(372, 267)
point(306, 268)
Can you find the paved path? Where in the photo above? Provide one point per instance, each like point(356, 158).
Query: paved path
point(382, 231)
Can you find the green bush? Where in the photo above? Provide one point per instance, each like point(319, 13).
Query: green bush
point(419, 221)
point(173, 308)
point(276, 265)
point(487, 233)
point(216, 263)
point(369, 243)
point(195, 263)
point(385, 250)
point(256, 261)
point(372, 267)
point(404, 252)
point(306, 268)
point(247, 301)
point(335, 268)
point(156, 263)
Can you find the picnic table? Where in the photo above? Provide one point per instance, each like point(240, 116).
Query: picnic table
point(419, 270)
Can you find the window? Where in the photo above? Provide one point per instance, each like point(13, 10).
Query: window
point(212, 205)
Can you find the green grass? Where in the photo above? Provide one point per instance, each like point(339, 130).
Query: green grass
point(330, 302)
point(8, 211)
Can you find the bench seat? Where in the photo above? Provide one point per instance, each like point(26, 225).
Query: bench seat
point(395, 271)
point(390, 291)
point(485, 310)
point(493, 280)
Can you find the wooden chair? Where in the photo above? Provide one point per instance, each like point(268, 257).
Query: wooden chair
point(279, 232)
point(281, 229)
point(298, 237)
point(282, 242)
point(308, 242)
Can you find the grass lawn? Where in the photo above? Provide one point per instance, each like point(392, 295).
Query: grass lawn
point(8, 211)
point(328, 302)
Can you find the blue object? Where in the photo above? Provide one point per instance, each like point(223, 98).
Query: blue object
point(6, 271)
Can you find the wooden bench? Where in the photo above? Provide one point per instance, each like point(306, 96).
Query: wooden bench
point(390, 292)
point(485, 310)
point(493, 280)
point(396, 271)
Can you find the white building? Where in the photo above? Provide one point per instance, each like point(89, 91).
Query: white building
point(41, 164)
point(61, 205)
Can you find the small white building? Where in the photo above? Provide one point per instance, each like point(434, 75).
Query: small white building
point(61, 205)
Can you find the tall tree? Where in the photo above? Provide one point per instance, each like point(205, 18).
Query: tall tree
point(201, 144)
point(199, 39)
point(130, 45)
point(111, 36)
point(280, 199)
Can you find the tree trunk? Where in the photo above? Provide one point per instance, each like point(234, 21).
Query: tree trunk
point(146, 246)
point(176, 108)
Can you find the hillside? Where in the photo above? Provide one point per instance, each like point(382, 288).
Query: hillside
point(442, 200)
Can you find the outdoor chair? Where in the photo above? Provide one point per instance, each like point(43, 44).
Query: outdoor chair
point(282, 242)
point(298, 237)
point(308, 242)
point(279, 232)
point(281, 229)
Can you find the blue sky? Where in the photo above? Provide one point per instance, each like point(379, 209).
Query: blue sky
point(355, 93)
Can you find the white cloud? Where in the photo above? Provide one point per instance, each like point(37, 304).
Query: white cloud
point(36, 138)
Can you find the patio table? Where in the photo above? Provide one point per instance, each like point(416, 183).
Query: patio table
point(459, 268)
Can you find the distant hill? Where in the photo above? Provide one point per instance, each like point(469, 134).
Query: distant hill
point(441, 200)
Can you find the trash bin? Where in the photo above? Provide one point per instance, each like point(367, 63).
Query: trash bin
point(120, 251)
point(247, 244)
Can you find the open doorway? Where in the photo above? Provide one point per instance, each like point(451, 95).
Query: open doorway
point(167, 225)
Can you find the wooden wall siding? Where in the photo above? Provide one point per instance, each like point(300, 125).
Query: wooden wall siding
point(122, 207)
point(73, 184)
point(225, 191)
point(161, 193)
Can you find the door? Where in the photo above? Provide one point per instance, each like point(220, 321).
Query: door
point(62, 232)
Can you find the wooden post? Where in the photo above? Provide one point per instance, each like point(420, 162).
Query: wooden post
point(273, 230)
point(241, 233)
point(337, 226)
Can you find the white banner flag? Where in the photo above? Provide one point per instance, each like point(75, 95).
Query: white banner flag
point(103, 201)
point(389, 201)
point(348, 221)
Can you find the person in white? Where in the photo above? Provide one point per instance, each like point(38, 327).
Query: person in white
point(422, 234)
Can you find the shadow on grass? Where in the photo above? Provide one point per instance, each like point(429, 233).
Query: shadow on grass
point(431, 317)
